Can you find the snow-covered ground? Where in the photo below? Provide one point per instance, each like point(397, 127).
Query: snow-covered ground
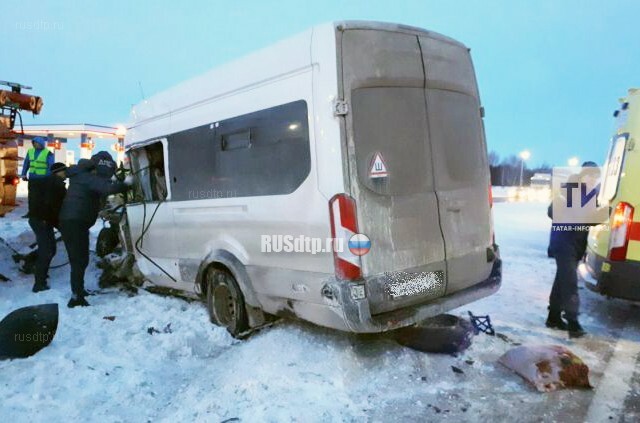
point(116, 371)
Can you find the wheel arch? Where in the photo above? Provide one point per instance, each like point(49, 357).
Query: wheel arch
point(225, 260)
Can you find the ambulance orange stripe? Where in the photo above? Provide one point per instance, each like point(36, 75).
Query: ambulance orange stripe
point(634, 231)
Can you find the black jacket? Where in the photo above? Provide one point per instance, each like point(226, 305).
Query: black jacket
point(46, 195)
point(86, 193)
point(567, 239)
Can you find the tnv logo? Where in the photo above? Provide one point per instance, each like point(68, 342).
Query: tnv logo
point(575, 194)
point(585, 195)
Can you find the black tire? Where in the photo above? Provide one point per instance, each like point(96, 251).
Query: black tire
point(225, 301)
point(444, 334)
point(107, 241)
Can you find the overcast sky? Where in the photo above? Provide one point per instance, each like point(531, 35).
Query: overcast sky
point(550, 72)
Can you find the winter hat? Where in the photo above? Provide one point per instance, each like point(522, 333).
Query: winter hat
point(85, 164)
point(105, 165)
point(58, 167)
point(589, 169)
point(39, 140)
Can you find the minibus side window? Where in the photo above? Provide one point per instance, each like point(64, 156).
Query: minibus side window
point(266, 152)
point(148, 166)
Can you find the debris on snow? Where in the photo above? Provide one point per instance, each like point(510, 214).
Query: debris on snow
point(445, 334)
point(457, 370)
point(547, 367)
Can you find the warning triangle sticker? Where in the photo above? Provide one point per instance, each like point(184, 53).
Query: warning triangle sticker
point(378, 167)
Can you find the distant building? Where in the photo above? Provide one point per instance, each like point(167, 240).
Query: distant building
point(91, 137)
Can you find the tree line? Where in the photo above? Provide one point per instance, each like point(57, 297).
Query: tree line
point(506, 171)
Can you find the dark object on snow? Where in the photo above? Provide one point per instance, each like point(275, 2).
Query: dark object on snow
point(167, 329)
point(107, 241)
point(457, 370)
point(508, 340)
point(3, 278)
point(112, 318)
point(445, 334)
point(27, 261)
point(108, 238)
point(482, 324)
point(27, 330)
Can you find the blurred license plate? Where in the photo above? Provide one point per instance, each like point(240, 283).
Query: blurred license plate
point(424, 284)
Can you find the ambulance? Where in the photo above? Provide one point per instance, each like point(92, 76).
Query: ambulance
point(612, 263)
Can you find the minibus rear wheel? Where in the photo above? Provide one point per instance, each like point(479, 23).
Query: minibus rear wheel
point(225, 301)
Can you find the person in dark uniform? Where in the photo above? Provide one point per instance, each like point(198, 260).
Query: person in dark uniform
point(45, 200)
point(89, 184)
point(567, 245)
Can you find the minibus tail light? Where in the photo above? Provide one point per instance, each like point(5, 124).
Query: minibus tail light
point(620, 230)
point(344, 224)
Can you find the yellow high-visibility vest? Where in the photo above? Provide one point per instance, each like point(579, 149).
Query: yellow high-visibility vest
point(38, 166)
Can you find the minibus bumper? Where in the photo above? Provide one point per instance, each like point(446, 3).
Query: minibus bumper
point(618, 279)
point(357, 315)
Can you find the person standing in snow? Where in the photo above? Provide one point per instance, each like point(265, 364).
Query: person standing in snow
point(89, 184)
point(45, 200)
point(38, 160)
point(567, 244)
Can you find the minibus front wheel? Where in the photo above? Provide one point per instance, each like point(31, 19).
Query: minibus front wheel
point(225, 301)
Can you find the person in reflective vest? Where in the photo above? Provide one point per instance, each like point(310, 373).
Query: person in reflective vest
point(38, 162)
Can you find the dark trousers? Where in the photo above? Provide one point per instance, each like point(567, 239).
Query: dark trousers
point(564, 294)
point(75, 235)
point(46, 240)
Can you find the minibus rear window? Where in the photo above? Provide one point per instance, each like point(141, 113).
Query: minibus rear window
point(391, 122)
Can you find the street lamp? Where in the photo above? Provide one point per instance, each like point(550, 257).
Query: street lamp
point(573, 161)
point(524, 155)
